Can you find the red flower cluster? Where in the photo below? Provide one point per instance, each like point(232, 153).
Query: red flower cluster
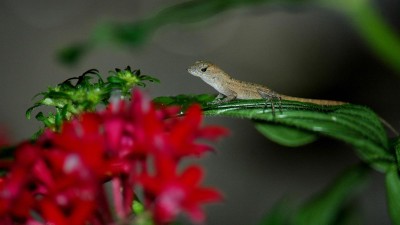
point(62, 178)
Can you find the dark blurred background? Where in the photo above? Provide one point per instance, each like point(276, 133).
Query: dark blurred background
point(304, 51)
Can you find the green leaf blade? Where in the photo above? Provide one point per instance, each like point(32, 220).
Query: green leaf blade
point(353, 124)
point(326, 207)
point(284, 135)
point(356, 125)
point(393, 195)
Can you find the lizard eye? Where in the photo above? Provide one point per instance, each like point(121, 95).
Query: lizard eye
point(204, 69)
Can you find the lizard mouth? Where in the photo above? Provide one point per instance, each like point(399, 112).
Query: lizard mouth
point(191, 71)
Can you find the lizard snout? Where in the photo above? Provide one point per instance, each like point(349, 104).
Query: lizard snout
point(191, 70)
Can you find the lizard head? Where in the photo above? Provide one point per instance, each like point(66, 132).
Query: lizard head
point(204, 69)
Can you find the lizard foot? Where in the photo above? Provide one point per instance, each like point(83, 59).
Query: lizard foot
point(217, 100)
point(214, 102)
point(270, 97)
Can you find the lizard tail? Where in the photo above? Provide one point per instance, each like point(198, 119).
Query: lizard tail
point(314, 101)
point(330, 102)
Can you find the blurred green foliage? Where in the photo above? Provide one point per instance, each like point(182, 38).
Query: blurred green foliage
point(332, 206)
point(81, 94)
point(363, 14)
point(377, 33)
point(393, 194)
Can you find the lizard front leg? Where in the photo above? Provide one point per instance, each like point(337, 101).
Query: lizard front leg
point(219, 97)
point(222, 98)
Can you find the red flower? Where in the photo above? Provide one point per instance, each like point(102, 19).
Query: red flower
point(183, 134)
point(60, 177)
point(139, 129)
point(15, 199)
point(84, 143)
point(169, 193)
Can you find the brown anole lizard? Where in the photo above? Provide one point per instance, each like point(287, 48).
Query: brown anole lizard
point(230, 88)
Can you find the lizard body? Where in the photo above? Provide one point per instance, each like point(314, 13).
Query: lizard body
point(231, 88)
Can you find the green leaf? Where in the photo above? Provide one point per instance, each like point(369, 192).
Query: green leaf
point(284, 135)
point(149, 78)
point(28, 112)
point(393, 194)
point(115, 80)
point(353, 124)
point(93, 72)
point(300, 123)
point(57, 95)
point(327, 207)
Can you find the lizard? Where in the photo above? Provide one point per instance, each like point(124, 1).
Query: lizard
point(230, 89)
